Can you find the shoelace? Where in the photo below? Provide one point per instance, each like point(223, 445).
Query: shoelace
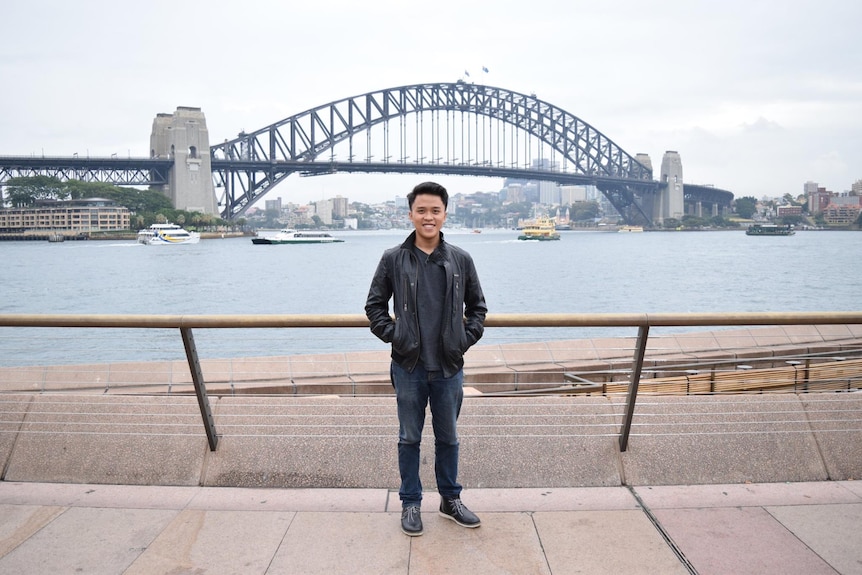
point(410, 511)
point(457, 506)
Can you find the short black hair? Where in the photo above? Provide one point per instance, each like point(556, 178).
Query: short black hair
point(432, 188)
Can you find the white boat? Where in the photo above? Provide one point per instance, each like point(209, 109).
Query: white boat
point(630, 229)
point(167, 234)
point(290, 236)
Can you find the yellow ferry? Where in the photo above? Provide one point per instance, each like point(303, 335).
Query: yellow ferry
point(542, 229)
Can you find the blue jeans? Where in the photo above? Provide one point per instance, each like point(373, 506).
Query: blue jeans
point(414, 391)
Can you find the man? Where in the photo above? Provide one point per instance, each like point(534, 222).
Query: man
point(439, 313)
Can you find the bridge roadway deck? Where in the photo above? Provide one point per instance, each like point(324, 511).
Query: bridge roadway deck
point(761, 483)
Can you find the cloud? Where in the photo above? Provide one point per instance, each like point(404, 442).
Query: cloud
point(751, 93)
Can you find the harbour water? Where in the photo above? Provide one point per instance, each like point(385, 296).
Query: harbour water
point(584, 272)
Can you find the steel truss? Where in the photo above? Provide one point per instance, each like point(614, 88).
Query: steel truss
point(564, 148)
point(117, 171)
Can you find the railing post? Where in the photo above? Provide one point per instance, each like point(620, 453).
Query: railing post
point(200, 387)
point(637, 366)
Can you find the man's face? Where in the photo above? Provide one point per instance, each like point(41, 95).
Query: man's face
point(428, 215)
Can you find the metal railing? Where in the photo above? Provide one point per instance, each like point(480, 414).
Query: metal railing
point(643, 322)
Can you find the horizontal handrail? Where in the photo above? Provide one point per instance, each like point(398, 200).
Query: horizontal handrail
point(492, 320)
point(642, 321)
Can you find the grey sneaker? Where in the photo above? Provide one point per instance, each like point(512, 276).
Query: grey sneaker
point(411, 521)
point(456, 511)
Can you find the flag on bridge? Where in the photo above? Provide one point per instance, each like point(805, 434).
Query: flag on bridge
point(484, 69)
point(466, 73)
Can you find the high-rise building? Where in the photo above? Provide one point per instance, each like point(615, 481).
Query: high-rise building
point(818, 198)
point(572, 194)
point(273, 205)
point(323, 210)
point(514, 193)
point(339, 207)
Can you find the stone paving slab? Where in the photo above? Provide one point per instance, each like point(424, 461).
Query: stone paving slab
point(749, 494)
point(199, 541)
point(742, 541)
point(111, 529)
point(92, 540)
point(346, 544)
point(604, 542)
point(830, 531)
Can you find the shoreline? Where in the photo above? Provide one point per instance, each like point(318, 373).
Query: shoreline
point(96, 236)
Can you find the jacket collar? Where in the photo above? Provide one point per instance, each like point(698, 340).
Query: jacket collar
point(411, 241)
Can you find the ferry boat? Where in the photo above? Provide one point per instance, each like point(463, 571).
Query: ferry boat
point(630, 229)
point(769, 230)
point(289, 236)
point(167, 234)
point(541, 229)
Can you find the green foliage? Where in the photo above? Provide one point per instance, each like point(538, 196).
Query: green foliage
point(583, 211)
point(719, 222)
point(693, 222)
point(25, 192)
point(745, 207)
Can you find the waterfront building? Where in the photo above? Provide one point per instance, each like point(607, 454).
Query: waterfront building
point(789, 211)
point(81, 215)
point(818, 197)
point(842, 210)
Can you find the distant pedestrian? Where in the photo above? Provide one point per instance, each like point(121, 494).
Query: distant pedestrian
point(439, 313)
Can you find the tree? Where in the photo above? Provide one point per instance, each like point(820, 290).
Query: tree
point(25, 192)
point(583, 211)
point(745, 207)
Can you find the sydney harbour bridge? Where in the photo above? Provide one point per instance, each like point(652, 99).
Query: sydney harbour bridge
point(454, 128)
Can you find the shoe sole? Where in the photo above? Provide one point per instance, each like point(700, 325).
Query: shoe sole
point(412, 533)
point(462, 524)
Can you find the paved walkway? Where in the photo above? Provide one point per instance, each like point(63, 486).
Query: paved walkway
point(782, 528)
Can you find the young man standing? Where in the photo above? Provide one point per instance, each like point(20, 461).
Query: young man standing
point(439, 313)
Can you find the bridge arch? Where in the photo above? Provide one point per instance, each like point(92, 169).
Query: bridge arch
point(519, 136)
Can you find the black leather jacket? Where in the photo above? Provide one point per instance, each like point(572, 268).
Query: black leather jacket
point(464, 305)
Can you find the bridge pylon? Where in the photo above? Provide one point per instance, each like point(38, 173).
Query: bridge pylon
point(671, 196)
point(183, 137)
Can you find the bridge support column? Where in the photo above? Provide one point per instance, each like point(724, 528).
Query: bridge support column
point(183, 136)
point(670, 202)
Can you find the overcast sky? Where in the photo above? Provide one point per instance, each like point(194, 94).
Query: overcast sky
point(757, 96)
